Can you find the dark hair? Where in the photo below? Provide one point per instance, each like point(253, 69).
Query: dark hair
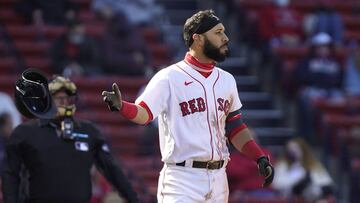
point(199, 23)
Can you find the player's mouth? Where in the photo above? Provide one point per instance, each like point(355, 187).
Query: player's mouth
point(224, 46)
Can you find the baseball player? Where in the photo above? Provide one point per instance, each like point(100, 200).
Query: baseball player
point(198, 108)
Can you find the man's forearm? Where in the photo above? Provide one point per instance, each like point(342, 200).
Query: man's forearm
point(244, 142)
point(241, 138)
point(142, 116)
point(135, 113)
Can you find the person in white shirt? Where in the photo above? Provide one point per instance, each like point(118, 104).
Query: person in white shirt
point(299, 173)
point(8, 106)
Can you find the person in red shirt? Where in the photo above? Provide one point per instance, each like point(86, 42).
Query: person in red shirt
point(75, 52)
point(243, 175)
point(280, 24)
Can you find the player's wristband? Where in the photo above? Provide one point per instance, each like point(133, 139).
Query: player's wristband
point(128, 110)
point(252, 150)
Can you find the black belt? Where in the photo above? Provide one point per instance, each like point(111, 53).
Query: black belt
point(205, 164)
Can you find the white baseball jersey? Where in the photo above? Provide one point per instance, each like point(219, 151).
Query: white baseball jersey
point(192, 111)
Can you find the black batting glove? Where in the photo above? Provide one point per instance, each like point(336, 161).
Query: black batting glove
point(266, 170)
point(113, 98)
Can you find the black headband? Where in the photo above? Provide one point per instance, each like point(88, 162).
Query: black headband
point(205, 25)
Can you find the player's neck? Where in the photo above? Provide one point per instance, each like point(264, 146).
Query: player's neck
point(200, 56)
point(204, 68)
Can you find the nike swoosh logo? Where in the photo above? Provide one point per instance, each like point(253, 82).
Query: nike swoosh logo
point(188, 83)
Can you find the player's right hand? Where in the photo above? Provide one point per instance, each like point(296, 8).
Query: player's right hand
point(113, 98)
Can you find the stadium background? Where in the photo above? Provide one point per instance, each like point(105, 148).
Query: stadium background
point(264, 81)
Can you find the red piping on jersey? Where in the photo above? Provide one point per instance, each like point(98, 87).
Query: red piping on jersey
point(146, 107)
point(203, 67)
point(217, 119)
point(207, 111)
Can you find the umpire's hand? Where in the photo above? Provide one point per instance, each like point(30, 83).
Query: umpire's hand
point(266, 170)
point(113, 98)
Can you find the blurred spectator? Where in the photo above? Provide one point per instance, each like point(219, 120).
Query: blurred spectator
point(242, 171)
point(355, 181)
point(319, 75)
point(279, 24)
point(124, 51)
point(352, 73)
point(54, 12)
point(299, 173)
point(243, 176)
point(74, 52)
point(8, 106)
point(6, 127)
point(138, 12)
point(247, 29)
point(112, 197)
point(325, 19)
point(100, 187)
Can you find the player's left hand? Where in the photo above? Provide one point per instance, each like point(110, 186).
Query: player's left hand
point(266, 170)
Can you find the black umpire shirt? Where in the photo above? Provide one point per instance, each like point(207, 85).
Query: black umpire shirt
point(59, 170)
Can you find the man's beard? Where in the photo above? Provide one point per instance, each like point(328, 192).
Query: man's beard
point(213, 52)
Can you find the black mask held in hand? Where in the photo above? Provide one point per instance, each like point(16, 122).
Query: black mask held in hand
point(32, 96)
point(266, 170)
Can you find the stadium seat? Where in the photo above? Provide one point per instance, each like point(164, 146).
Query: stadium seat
point(31, 48)
point(355, 164)
point(351, 22)
point(40, 63)
point(120, 134)
point(95, 28)
point(30, 32)
point(354, 35)
point(160, 50)
point(104, 117)
point(150, 34)
point(83, 4)
point(7, 65)
point(8, 15)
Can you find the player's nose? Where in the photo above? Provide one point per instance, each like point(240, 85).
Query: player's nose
point(225, 39)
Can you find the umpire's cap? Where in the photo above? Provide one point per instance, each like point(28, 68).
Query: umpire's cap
point(32, 96)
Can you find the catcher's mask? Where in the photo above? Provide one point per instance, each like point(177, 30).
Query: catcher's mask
point(58, 84)
point(32, 96)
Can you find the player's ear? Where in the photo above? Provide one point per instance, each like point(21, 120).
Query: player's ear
point(198, 39)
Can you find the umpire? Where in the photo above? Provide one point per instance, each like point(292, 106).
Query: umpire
point(58, 153)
